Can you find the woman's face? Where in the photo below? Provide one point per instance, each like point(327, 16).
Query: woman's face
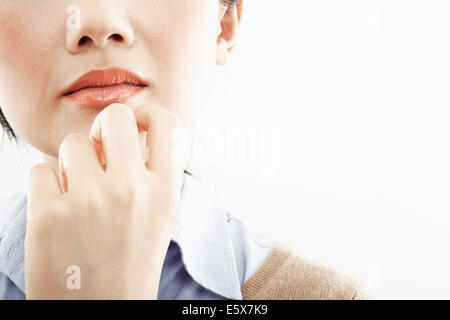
point(48, 44)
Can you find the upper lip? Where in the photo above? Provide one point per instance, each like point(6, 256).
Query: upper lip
point(105, 78)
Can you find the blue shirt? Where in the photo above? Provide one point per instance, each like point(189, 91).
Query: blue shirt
point(210, 256)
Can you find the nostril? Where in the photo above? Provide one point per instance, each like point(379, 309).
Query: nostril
point(83, 40)
point(116, 37)
point(99, 40)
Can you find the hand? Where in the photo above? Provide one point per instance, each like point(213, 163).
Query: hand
point(108, 213)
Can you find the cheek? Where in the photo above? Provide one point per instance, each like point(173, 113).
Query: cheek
point(25, 57)
point(182, 40)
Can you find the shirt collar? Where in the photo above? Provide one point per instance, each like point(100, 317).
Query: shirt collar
point(201, 232)
point(201, 229)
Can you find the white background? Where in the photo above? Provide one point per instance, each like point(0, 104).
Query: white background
point(353, 97)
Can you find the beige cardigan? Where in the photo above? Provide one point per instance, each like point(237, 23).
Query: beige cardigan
point(287, 276)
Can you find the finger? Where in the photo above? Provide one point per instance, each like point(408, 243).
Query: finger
point(115, 127)
point(79, 164)
point(44, 183)
point(165, 138)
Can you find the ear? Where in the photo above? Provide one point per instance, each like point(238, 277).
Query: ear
point(227, 30)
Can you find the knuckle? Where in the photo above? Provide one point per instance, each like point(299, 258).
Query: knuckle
point(86, 202)
point(40, 168)
point(169, 117)
point(73, 139)
point(126, 195)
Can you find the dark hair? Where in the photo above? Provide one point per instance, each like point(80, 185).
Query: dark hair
point(7, 127)
point(9, 130)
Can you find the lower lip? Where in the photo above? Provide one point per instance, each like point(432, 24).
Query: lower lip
point(101, 97)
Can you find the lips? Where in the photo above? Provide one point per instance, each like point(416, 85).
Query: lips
point(100, 88)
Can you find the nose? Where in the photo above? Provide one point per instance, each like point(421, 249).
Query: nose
point(100, 24)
